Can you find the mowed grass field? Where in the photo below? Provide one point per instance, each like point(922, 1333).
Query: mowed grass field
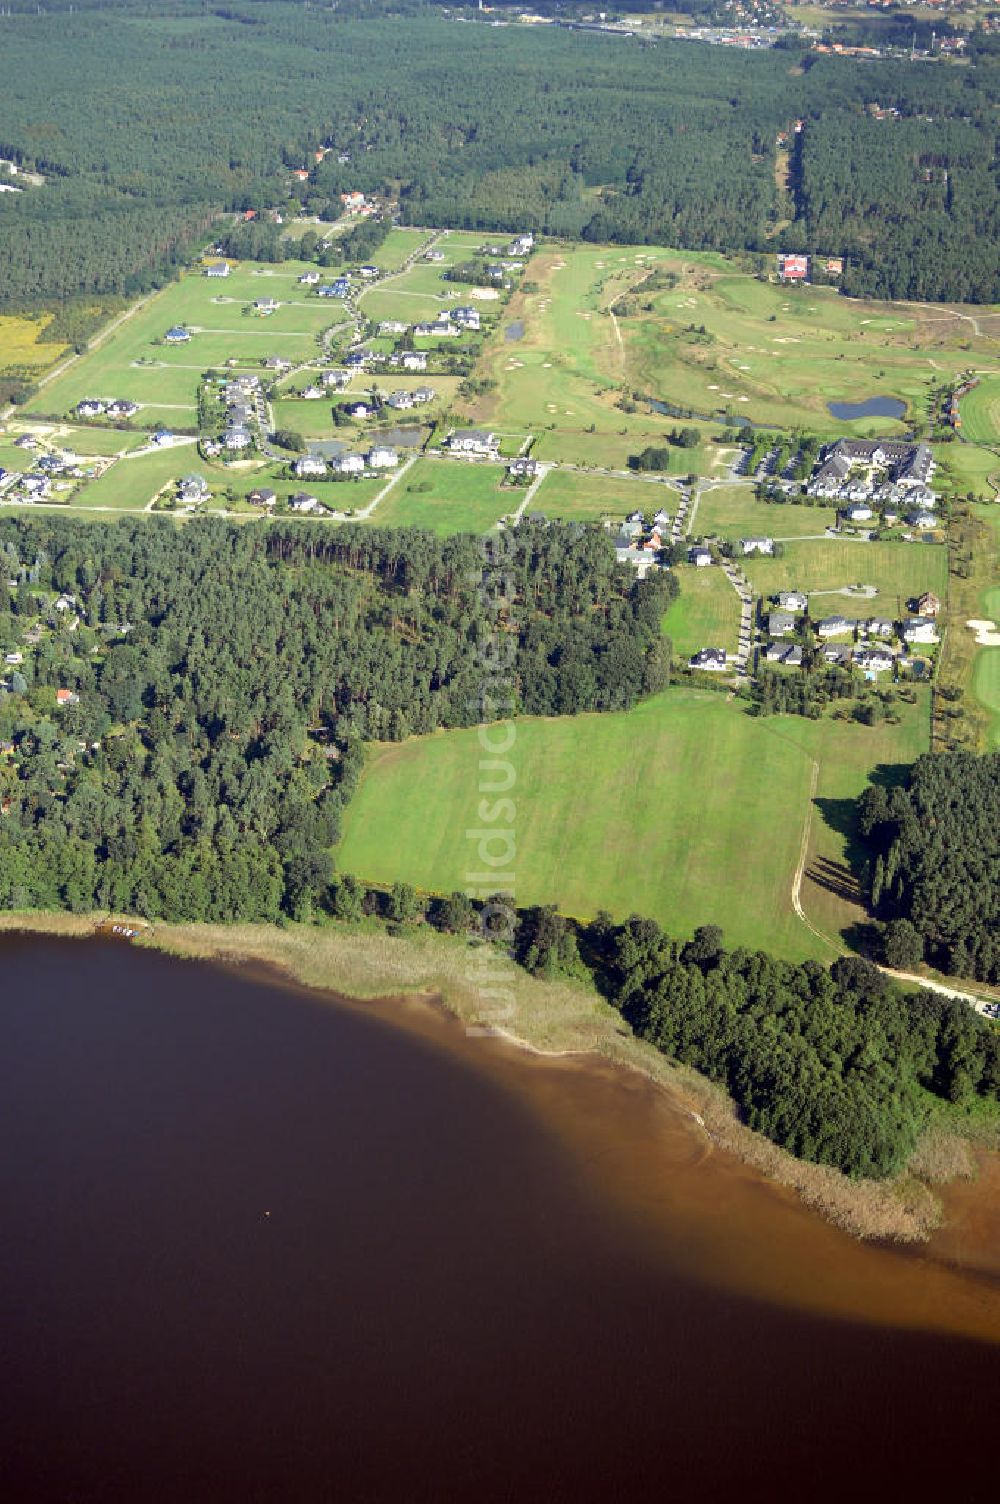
point(133, 481)
point(685, 809)
point(459, 498)
point(898, 571)
point(706, 614)
point(980, 411)
point(733, 512)
point(576, 496)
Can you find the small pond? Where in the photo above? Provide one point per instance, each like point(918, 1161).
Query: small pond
point(398, 438)
point(514, 331)
point(872, 407)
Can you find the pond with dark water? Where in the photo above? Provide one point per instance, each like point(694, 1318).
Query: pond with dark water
point(514, 331)
point(258, 1244)
point(871, 407)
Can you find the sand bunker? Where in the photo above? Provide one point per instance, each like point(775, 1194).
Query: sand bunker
point(484, 294)
point(987, 635)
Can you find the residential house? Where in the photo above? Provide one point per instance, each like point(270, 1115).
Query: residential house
point(359, 409)
point(924, 522)
point(757, 546)
point(349, 464)
point(423, 394)
point(521, 245)
point(790, 654)
point(392, 326)
point(176, 335)
point(309, 279)
point(121, 407)
point(861, 512)
point(879, 626)
point(309, 464)
point(381, 457)
point(834, 626)
point(26, 441)
point(193, 488)
point(792, 267)
point(265, 305)
point(36, 486)
point(699, 557)
point(414, 360)
point(13, 659)
point(237, 438)
point(837, 653)
point(401, 401)
point(162, 437)
point(301, 501)
point(780, 623)
point(920, 629)
point(336, 379)
point(277, 363)
point(434, 255)
point(313, 394)
point(217, 269)
point(368, 272)
point(793, 600)
point(473, 442)
point(873, 661)
point(90, 407)
point(710, 660)
point(440, 329)
point(339, 288)
point(523, 468)
point(66, 697)
point(262, 496)
point(466, 318)
point(928, 604)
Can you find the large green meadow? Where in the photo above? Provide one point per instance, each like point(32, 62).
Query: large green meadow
point(823, 568)
point(732, 512)
point(686, 809)
point(133, 361)
point(447, 496)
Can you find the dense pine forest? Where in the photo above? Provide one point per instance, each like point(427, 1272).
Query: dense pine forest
point(147, 122)
point(936, 870)
point(182, 720)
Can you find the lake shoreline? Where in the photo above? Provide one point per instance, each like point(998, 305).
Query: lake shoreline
point(550, 1019)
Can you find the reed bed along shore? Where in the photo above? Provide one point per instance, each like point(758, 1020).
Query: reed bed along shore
point(558, 1018)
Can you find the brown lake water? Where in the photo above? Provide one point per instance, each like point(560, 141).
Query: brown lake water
point(257, 1244)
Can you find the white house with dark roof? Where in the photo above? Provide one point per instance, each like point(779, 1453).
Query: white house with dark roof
point(473, 442)
point(309, 465)
point(709, 660)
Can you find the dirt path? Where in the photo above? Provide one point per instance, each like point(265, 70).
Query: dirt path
point(801, 868)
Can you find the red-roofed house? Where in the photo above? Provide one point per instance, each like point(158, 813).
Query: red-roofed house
point(793, 268)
